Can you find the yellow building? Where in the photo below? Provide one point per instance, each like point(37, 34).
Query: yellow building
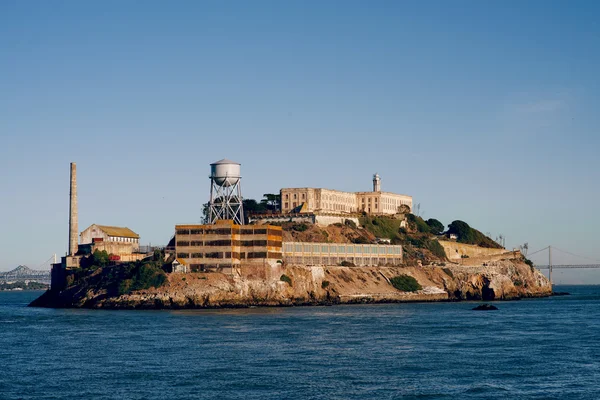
point(224, 245)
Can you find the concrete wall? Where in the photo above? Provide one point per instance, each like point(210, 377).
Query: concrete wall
point(455, 250)
point(325, 220)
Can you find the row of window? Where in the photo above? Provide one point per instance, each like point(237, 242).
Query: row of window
point(231, 255)
point(123, 239)
point(327, 248)
point(358, 261)
point(233, 243)
point(229, 231)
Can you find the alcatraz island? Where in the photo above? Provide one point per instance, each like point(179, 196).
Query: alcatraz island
point(303, 246)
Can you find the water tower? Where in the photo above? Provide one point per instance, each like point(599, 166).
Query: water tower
point(225, 192)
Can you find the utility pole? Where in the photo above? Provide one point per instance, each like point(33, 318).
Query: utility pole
point(550, 265)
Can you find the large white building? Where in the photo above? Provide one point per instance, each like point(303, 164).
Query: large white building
point(311, 200)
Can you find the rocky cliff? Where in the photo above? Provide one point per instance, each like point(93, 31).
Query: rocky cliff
point(307, 285)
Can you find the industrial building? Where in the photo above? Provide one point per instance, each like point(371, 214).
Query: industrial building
point(224, 245)
point(117, 241)
point(316, 200)
point(296, 253)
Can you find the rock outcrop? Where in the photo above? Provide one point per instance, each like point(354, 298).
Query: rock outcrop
point(312, 285)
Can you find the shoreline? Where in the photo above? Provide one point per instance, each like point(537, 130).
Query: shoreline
point(265, 286)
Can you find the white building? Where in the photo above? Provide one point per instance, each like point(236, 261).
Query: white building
point(311, 200)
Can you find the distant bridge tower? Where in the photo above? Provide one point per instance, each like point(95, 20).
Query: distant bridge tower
point(376, 183)
point(225, 192)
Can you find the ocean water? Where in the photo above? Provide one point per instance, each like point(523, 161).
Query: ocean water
point(529, 349)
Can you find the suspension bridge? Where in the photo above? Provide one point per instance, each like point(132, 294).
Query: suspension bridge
point(591, 263)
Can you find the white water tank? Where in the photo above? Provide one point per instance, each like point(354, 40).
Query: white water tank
point(225, 172)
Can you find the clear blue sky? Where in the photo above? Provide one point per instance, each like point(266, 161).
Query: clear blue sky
point(482, 111)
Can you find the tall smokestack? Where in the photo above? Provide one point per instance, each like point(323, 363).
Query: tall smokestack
point(73, 226)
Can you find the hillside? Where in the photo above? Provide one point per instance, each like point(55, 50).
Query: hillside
point(420, 239)
point(433, 270)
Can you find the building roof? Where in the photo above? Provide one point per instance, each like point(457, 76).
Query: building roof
point(118, 231)
point(224, 161)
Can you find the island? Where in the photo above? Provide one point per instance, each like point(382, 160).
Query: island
point(458, 264)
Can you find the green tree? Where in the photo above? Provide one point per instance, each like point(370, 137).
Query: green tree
point(462, 230)
point(272, 202)
point(100, 258)
point(435, 226)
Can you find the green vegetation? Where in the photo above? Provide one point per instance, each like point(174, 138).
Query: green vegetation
point(122, 278)
point(350, 223)
point(529, 262)
point(299, 227)
point(324, 284)
point(435, 226)
point(436, 248)
point(143, 276)
point(405, 283)
point(417, 223)
point(381, 227)
point(285, 278)
point(347, 264)
point(468, 235)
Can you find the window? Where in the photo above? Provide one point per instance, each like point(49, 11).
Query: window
point(294, 196)
point(287, 196)
point(286, 204)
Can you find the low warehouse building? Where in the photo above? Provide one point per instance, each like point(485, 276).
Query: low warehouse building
point(118, 241)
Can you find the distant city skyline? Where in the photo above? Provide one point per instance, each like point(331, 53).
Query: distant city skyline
point(484, 112)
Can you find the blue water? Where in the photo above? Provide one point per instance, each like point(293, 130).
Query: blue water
point(529, 349)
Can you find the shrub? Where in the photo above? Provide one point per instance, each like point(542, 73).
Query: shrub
point(324, 284)
point(405, 283)
point(100, 258)
point(347, 264)
point(464, 256)
point(380, 226)
point(360, 240)
point(518, 282)
point(285, 278)
point(418, 223)
point(125, 286)
point(436, 248)
point(350, 223)
point(143, 276)
point(448, 272)
point(301, 227)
